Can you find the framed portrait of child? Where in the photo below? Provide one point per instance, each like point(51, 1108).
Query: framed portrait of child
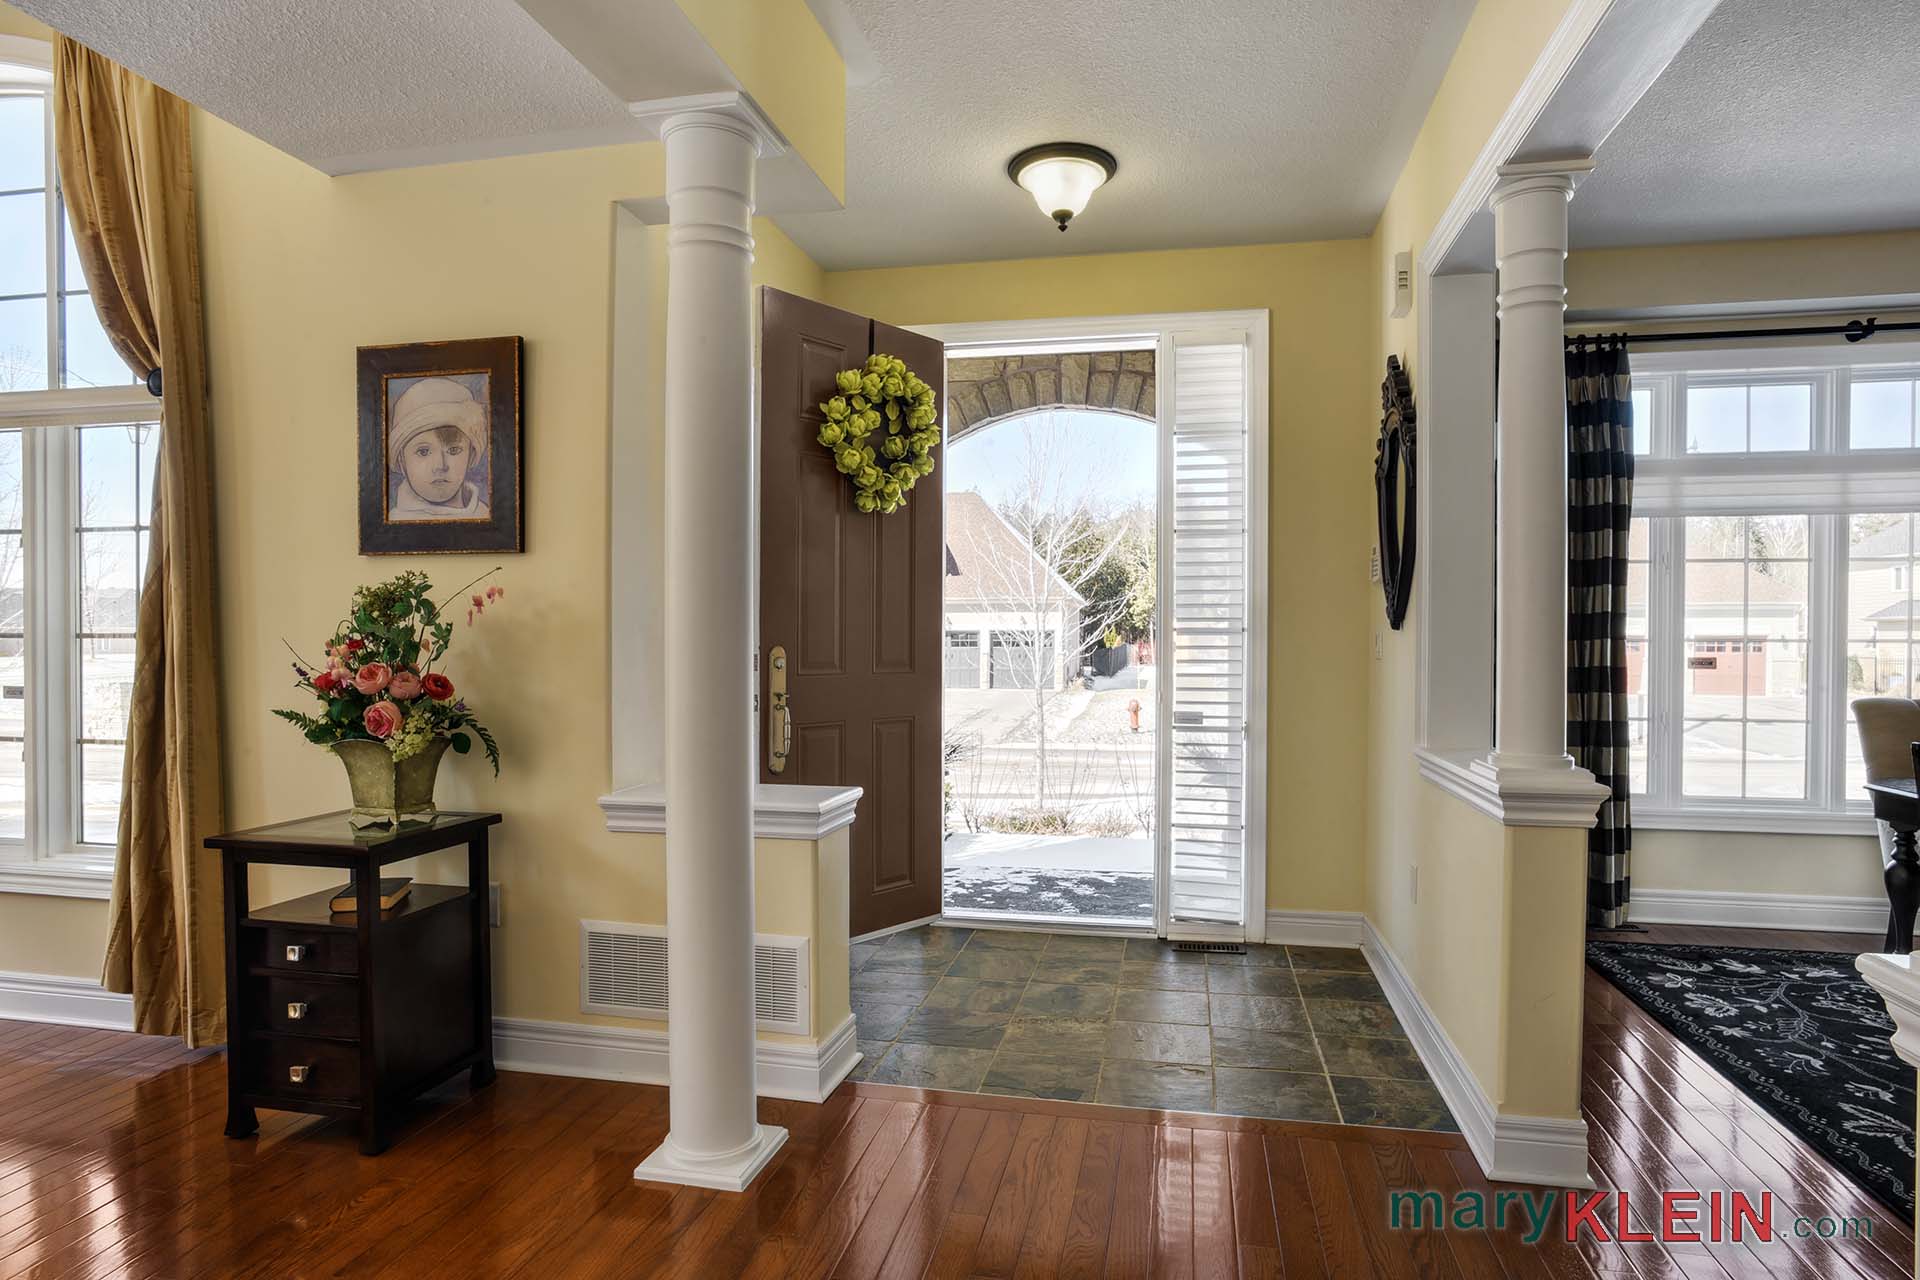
point(440, 447)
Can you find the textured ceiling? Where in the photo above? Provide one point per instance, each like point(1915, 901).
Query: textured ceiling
point(1777, 119)
point(1234, 121)
point(354, 84)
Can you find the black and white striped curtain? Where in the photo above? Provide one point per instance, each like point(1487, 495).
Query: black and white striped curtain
point(1599, 509)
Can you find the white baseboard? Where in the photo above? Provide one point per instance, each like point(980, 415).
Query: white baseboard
point(1537, 1150)
point(1316, 928)
point(1758, 910)
point(72, 1002)
point(804, 1073)
point(892, 929)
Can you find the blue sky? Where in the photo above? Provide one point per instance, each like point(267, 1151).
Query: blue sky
point(1125, 445)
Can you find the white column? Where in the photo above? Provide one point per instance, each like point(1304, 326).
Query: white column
point(713, 1138)
point(1530, 682)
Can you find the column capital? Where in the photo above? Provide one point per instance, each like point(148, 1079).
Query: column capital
point(1541, 175)
point(731, 109)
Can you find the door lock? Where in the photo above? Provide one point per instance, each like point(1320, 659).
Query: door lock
point(779, 712)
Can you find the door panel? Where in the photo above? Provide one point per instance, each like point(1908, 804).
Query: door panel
point(855, 599)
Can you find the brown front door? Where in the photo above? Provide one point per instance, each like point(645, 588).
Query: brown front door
point(854, 600)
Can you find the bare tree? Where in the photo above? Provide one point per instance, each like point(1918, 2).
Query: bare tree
point(1065, 529)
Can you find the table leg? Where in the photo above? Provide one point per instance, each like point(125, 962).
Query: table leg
point(1903, 888)
point(241, 1120)
point(373, 1138)
point(479, 893)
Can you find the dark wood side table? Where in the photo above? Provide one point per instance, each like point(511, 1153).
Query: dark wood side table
point(352, 1015)
point(1896, 802)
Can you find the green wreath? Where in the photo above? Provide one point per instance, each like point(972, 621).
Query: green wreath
point(884, 465)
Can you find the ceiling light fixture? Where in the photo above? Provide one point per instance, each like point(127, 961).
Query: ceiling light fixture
point(1062, 176)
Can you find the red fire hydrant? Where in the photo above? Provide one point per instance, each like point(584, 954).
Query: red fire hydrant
point(1133, 714)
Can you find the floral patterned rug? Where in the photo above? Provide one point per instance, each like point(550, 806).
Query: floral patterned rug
point(1799, 1032)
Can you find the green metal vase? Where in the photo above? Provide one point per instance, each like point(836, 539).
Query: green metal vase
point(386, 794)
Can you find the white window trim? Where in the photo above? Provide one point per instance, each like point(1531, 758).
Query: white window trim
point(50, 859)
point(1827, 482)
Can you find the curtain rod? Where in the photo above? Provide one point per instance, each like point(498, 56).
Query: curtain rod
point(1852, 331)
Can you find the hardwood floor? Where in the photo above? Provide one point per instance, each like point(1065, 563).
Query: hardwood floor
point(112, 1164)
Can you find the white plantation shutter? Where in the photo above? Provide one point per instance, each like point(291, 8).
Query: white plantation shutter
point(1212, 560)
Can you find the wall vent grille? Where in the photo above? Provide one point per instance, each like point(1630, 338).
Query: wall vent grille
point(623, 972)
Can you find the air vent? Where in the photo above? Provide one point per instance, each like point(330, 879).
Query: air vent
point(623, 972)
point(1212, 948)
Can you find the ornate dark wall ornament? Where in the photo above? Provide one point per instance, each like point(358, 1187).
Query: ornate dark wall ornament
point(1394, 484)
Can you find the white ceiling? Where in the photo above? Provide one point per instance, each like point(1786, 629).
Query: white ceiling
point(1234, 121)
point(358, 84)
point(1777, 119)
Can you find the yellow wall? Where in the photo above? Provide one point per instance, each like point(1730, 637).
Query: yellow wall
point(1744, 271)
point(1321, 497)
point(1484, 919)
point(777, 49)
point(15, 23)
point(298, 270)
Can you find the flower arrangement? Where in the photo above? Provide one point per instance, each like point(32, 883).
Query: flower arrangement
point(883, 392)
point(379, 684)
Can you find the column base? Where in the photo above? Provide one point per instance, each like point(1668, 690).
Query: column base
point(730, 1171)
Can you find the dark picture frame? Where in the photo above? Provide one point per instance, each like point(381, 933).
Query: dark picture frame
point(1396, 491)
point(440, 447)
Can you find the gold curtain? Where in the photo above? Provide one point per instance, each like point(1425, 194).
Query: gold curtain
point(126, 167)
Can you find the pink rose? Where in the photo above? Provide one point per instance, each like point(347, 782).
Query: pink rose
point(382, 719)
point(372, 678)
point(405, 684)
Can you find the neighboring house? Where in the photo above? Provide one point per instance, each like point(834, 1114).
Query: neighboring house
point(1010, 621)
point(1745, 631)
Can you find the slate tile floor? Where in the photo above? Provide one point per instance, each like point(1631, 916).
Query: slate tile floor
point(1288, 1033)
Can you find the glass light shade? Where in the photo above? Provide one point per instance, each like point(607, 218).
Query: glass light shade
point(1061, 185)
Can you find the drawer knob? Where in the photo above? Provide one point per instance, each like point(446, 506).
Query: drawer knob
point(296, 953)
point(298, 1075)
point(296, 1009)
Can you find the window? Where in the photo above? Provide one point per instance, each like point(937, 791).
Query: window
point(78, 442)
point(1770, 578)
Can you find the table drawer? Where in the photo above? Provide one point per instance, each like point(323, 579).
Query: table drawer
point(303, 950)
point(329, 1072)
point(309, 1007)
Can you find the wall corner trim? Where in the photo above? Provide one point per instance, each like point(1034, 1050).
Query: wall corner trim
point(780, 811)
point(1540, 1150)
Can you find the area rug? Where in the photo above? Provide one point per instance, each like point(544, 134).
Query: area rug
point(1799, 1032)
point(1078, 894)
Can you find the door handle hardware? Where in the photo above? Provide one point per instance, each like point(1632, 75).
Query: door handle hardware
point(296, 1010)
point(296, 954)
point(779, 712)
point(297, 1075)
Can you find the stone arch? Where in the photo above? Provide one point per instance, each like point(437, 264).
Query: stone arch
point(983, 390)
